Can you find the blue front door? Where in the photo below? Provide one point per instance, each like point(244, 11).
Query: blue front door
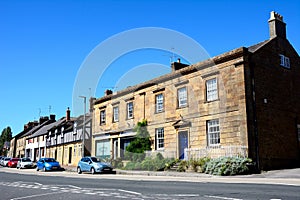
point(183, 143)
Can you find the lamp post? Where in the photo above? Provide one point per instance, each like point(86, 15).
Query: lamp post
point(83, 130)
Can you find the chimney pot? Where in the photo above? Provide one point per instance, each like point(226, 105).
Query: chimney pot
point(68, 114)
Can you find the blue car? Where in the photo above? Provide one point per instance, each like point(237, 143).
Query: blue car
point(47, 164)
point(93, 165)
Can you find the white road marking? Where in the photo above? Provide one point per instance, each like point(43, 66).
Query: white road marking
point(75, 187)
point(185, 195)
point(130, 192)
point(36, 195)
point(90, 193)
point(219, 197)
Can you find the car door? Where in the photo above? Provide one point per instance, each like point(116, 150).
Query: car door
point(88, 164)
point(84, 164)
point(40, 164)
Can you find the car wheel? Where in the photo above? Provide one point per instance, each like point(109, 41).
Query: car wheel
point(79, 170)
point(37, 169)
point(44, 169)
point(93, 170)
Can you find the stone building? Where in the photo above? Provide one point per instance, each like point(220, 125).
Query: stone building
point(244, 102)
point(64, 139)
point(17, 145)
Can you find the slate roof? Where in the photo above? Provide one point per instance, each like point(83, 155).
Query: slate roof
point(79, 119)
point(257, 46)
point(44, 130)
point(34, 129)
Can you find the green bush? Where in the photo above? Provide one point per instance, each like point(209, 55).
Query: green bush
point(130, 166)
point(157, 163)
point(225, 166)
point(135, 157)
point(198, 165)
point(117, 163)
point(183, 166)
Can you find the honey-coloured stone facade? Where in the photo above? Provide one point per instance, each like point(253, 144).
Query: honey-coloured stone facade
point(256, 107)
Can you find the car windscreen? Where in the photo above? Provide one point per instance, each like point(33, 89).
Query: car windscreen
point(15, 159)
point(50, 160)
point(7, 159)
point(95, 159)
point(26, 160)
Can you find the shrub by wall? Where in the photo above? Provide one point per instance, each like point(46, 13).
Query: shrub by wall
point(228, 166)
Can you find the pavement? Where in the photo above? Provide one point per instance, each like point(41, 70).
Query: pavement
point(284, 173)
point(281, 177)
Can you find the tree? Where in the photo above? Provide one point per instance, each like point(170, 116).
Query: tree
point(136, 149)
point(6, 136)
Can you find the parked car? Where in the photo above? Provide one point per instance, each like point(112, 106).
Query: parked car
point(24, 163)
point(93, 165)
point(1, 160)
point(5, 161)
point(13, 162)
point(47, 164)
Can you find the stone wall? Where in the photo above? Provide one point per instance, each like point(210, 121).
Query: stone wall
point(277, 96)
point(229, 108)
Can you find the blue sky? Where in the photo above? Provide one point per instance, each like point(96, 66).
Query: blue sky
point(44, 43)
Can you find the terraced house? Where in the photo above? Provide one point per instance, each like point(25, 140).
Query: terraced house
point(244, 102)
point(64, 139)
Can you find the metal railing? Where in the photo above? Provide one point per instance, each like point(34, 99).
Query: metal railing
point(215, 152)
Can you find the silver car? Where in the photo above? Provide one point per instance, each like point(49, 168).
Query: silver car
point(5, 161)
point(93, 165)
point(24, 163)
point(1, 160)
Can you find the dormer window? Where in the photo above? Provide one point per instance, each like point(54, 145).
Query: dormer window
point(284, 61)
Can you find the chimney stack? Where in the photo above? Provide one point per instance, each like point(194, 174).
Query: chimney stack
point(277, 27)
point(178, 65)
point(43, 119)
point(68, 114)
point(92, 100)
point(52, 117)
point(108, 92)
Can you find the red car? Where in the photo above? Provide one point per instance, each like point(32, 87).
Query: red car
point(13, 162)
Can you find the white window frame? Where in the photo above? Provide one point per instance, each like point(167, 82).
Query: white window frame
point(130, 110)
point(115, 113)
point(159, 103)
point(182, 97)
point(212, 89)
point(285, 61)
point(213, 132)
point(160, 138)
point(102, 117)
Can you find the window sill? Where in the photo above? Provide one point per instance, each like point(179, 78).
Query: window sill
point(214, 146)
point(212, 101)
point(159, 112)
point(181, 107)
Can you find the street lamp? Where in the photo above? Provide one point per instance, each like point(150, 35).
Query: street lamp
point(83, 130)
